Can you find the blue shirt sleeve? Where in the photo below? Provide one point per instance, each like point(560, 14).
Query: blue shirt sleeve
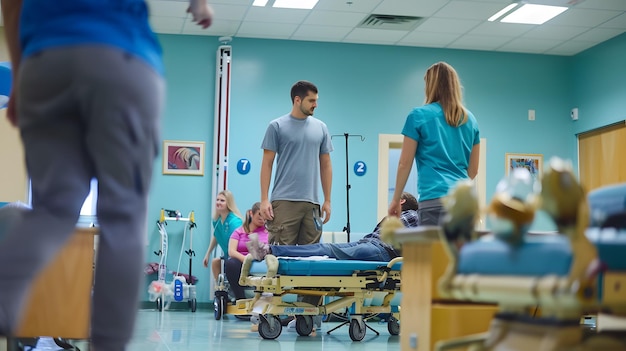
point(410, 128)
point(234, 222)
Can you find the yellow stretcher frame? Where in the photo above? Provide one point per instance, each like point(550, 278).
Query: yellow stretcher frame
point(352, 290)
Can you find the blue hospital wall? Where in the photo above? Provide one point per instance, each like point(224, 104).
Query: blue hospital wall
point(364, 90)
point(598, 85)
point(190, 73)
point(368, 90)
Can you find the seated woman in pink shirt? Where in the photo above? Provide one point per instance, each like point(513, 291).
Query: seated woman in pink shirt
point(237, 248)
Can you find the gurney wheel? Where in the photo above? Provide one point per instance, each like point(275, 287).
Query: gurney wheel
point(193, 305)
point(21, 344)
point(357, 329)
point(64, 344)
point(269, 327)
point(219, 306)
point(304, 325)
point(393, 326)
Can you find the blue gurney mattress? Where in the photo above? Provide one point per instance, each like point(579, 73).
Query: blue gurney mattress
point(324, 267)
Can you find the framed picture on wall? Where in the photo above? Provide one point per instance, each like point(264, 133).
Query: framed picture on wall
point(532, 162)
point(183, 157)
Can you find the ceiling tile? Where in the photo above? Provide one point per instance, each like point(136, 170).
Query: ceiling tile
point(218, 28)
point(164, 8)
point(333, 18)
point(365, 6)
point(617, 22)
point(554, 32)
point(479, 42)
point(423, 8)
point(229, 2)
point(599, 34)
point(501, 29)
point(571, 47)
point(171, 25)
point(469, 10)
point(619, 5)
point(272, 15)
point(313, 32)
point(377, 35)
point(447, 25)
point(230, 12)
point(429, 39)
point(583, 17)
point(267, 30)
point(529, 45)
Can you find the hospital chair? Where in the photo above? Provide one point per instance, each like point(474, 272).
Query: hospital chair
point(544, 284)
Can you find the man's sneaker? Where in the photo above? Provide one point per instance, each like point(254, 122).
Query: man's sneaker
point(256, 248)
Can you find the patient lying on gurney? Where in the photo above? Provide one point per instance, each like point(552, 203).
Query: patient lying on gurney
point(370, 248)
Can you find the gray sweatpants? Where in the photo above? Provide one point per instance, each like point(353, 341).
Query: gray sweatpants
point(84, 112)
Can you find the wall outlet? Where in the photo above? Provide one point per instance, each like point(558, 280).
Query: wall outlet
point(531, 115)
point(574, 114)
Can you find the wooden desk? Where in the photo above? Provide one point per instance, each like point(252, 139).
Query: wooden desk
point(60, 300)
point(425, 317)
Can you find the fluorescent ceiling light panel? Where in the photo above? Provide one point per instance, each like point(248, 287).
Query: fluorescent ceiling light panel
point(260, 3)
point(295, 4)
point(533, 14)
point(502, 12)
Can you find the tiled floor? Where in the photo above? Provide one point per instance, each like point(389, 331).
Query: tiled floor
point(186, 331)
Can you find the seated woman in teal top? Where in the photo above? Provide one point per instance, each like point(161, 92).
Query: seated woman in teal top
point(443, 138)
point(227, 219)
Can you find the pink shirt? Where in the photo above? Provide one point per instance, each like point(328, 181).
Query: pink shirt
point(242, 238)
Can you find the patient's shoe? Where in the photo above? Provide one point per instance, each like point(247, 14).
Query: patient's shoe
point(257, 249)
point(245, 269)
point(272, 265)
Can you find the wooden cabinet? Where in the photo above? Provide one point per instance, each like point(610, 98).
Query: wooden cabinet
point(425, 318)
point(59, 304)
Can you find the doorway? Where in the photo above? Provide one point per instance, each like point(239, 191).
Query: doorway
point(389, 146)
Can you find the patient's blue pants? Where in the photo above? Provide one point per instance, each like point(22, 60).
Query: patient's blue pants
point(364, 250)
point(84, 112)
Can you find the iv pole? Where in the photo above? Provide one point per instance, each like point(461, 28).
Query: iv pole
point(347, 227)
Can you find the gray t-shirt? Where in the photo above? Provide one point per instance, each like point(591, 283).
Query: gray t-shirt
point(298, 144)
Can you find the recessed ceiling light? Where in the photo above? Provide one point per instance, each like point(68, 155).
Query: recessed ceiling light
point(295, 4)
point(533, 14)
point(502, 12)
point(260, 3)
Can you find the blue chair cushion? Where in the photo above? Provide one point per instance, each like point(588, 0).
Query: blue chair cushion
point(538, 255)
point(611, 246)
point(605, 202)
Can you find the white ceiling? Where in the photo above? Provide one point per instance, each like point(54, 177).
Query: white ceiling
point(454, 24)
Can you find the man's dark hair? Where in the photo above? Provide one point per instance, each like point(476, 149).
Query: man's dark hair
point(301, 89)
point(410, 202)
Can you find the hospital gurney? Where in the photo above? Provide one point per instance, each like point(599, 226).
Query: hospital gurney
point(543, 283)
point(347, 283)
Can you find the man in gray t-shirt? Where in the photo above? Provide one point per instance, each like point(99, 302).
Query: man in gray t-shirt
point(301, 145)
